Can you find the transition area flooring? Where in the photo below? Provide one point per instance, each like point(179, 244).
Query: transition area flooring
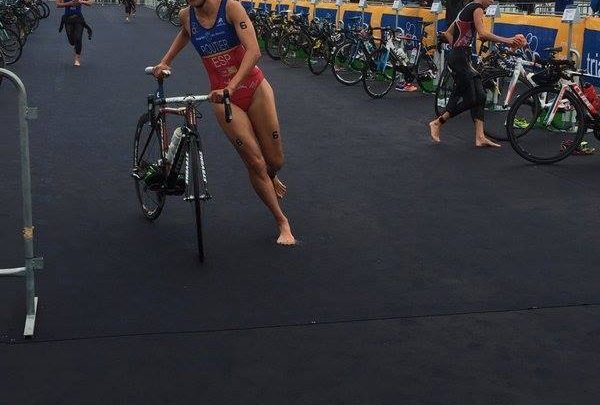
point(426, 274)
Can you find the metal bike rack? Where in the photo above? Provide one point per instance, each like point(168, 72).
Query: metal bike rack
point(338, 15)
point(493, 12)
point(571, 16)
point(436, 9)
point(397, 6)
point(362, 4)
point(31, 263)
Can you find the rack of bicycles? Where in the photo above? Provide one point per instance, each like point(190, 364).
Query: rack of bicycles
point(533, 99)
point(18, 19)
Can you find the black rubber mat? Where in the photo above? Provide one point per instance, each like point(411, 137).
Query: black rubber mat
point(391, 226)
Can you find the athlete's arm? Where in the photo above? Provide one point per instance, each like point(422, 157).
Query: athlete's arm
point(245, 32)
point(63, 4)
point(449, 33)
point(484, 33)
point(86, 2)
point(180, 41)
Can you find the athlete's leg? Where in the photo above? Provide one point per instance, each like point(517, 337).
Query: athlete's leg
point(242, 136)
point(263, 115)
point(477, 112)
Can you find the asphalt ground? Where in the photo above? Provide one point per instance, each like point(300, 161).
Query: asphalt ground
point(433, 274)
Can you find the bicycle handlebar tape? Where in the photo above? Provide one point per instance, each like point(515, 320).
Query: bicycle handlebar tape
point(227, 102)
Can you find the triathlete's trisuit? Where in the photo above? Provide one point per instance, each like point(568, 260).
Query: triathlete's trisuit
point(469, 89)
point(222, 54)
point(74, 25)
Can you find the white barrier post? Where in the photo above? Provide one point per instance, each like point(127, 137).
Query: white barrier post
point(362, 4)
point(571, 16)
point(397, 6)
point(436, 9)
point(31, 263)
point(338, 4)
point(493, 12)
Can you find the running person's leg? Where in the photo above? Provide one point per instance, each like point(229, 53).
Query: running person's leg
point(468, 95)
point(263, 115)
point(241, 134)
point(74, 30)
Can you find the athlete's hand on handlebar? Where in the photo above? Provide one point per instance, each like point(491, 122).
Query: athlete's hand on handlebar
point(222, 97)
point(160, 69)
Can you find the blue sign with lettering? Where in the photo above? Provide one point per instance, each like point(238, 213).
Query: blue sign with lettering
point(281, 7)
point(350, 14)
point(248, 5)
point(326, 14)
point(301, 9)
point(590, 58)
point(264, 6)
point(538, 38)
point(410, 25)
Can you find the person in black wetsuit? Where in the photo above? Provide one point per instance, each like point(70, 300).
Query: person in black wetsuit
point(468, 93)
point(129, 9)
point(74, 24)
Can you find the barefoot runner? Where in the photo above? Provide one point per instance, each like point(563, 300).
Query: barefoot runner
point(223, 35)
point(74, 24)
point(468, 93)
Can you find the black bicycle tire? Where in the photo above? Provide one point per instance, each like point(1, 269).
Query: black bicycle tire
point(440, 87)
point(143, 120)
point(373, 58)
point(503, 136)
point(193, 149)
point(514, 139)
point(314, 70)
point(13, 55)
point(420, 80)
point(273, 52)
point(335, 73)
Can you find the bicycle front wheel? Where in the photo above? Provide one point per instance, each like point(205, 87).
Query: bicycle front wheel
point(348, 62)
point(380, 74)
point(147, 172)
point(197, 188)
point(533, 137)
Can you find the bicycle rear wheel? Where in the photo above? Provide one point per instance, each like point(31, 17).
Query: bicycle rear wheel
point(426, 72)
point(294, 49)
point(272, 43)
point(530, 135)
point(496, 86)
point(320, 54)
point(380, 74)
point(147, 171)
point(197, 187)
point(442, 93)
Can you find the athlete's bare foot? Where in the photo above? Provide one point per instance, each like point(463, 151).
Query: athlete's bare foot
point(285, 235)
point(434, 128)
point(77, 61)
point(483, 142)
point(280, 188)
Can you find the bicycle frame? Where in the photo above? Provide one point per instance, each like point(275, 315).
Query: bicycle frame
point(576, 90)
point(190, 133)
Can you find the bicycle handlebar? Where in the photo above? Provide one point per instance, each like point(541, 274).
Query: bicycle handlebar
point(150, 71)
point(226, 96)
